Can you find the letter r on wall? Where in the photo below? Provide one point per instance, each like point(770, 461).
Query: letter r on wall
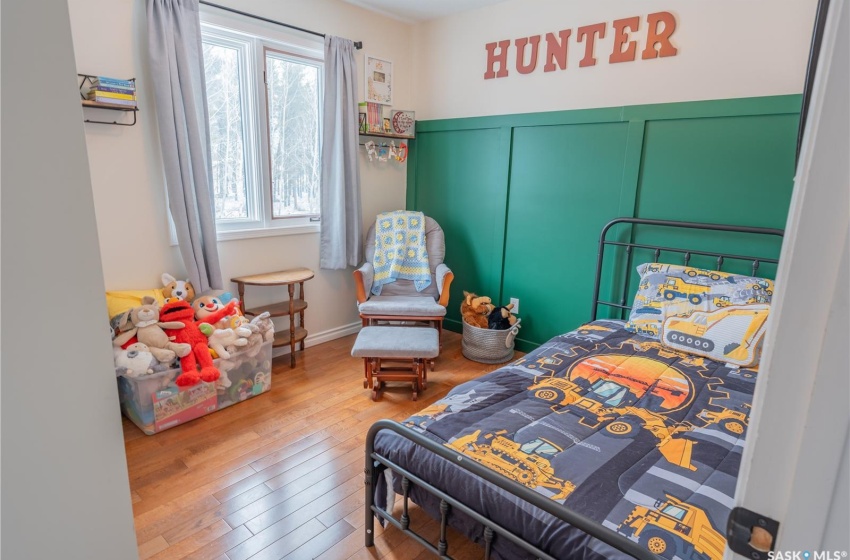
point(493, 58)
point(661, 38)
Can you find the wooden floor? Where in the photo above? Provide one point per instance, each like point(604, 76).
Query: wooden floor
point(281, 475)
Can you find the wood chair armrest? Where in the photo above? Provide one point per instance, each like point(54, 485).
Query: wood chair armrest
point(361, 289)
point(444, 294)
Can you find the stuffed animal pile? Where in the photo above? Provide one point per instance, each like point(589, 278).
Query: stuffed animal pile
point(480, 312)
point(148, 338)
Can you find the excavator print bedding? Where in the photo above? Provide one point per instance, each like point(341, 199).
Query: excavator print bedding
point(640, 437)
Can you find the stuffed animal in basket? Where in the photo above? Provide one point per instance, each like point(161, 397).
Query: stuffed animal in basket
point(137, 360)
point(191, 334)
point(265, 325)
point(225, 341)
point(475, 309)
point(177, 289)
point(144, 323)
point(501, 318)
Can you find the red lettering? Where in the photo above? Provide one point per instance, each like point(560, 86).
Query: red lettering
point(556, 52)
point(493, 59)
point(520, 45)
point(587, 34)
point(622, 27)
point(661, 38)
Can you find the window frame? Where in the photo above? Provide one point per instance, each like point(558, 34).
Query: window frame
point(251, 145)
point(318, 63)
point(255, 39)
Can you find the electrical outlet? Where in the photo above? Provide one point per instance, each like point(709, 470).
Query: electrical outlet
point(515, 302)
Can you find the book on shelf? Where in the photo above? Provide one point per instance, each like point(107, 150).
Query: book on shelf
point(110, 95)
point(113, 82)
point(374, 117)
point(129, 91)
point(112, 101)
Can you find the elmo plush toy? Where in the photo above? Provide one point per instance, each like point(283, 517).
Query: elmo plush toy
point(182, 311)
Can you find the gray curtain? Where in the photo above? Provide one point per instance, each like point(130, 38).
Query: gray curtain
point(341, 215)
point(177, 73)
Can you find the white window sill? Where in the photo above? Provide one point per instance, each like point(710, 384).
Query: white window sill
point(230, 235)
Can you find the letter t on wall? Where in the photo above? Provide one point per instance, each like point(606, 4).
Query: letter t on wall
point(589, 32)
point(493, 58)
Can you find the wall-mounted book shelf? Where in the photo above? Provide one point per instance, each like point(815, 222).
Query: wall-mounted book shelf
point(385, 135)
point(87, 83)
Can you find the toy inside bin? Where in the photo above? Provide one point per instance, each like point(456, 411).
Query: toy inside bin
point(154, 403)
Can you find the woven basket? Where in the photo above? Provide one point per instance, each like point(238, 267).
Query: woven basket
point(489, 346)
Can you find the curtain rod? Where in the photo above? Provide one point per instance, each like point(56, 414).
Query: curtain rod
point(357, 44)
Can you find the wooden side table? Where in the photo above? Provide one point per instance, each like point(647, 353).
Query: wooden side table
point(295, 306)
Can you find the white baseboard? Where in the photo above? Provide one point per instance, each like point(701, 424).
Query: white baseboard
point(320, 337)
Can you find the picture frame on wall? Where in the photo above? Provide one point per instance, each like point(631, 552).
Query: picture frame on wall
point(379, 80)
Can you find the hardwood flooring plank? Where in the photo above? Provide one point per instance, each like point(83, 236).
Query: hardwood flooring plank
point(295, 442)
point(284, 546)
point(267, 502)
point(162, 523)
point(194, 523)
point(351, 503)
point(303, 496)
point(163, 505)
point(151, 547)
point(215, 549)
point(193, 542)
point(321, 542)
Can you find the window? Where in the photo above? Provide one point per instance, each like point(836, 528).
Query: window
point(674, 512)
point(265, 119)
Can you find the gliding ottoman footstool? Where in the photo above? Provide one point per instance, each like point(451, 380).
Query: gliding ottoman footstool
point(408, 348)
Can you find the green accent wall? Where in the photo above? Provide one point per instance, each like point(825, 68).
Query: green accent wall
point(522, 198)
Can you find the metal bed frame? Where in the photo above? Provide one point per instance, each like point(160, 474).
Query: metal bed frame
point(376, 463)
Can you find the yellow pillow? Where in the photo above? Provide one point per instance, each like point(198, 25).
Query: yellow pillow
point(119, 302)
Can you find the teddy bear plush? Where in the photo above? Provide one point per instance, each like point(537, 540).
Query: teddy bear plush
point(501, 318)
point(137, 360)
point(144, 323)
point(190, 333)
point(475, 309)
point(225, 341)
point(265, 325)
point(177, 289)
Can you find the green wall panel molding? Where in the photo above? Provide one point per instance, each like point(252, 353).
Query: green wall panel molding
point(522, 198)
point(748, 106)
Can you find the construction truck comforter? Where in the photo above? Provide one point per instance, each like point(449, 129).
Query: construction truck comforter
point(643, 439)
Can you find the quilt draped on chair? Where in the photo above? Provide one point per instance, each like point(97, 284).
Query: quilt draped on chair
point(400, 250)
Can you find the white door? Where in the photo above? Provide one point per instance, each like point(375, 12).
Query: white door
point(792, 468)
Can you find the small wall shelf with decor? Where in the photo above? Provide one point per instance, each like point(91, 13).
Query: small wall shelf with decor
point(385, 135)
point(101, 92)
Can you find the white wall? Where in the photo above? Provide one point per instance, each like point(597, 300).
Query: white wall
point(126, 166)
point(65, 489)
point(727, 49)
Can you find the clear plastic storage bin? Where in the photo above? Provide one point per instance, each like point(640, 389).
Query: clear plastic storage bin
point(154, 403)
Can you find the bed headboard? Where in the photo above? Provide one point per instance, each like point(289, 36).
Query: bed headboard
point(680, 254)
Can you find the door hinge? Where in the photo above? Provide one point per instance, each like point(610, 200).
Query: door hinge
point(751, 534)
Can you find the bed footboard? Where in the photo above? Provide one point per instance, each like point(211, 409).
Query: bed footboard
point(376, 464)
